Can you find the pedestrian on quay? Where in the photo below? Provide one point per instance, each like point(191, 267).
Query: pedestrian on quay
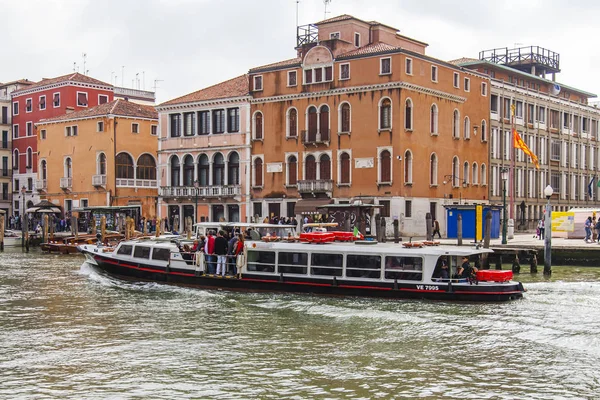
point(588, 229)
point(436, 228)
point(597, 229)
point(541, 229)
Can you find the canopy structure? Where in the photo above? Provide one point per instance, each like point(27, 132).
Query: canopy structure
point(44, 206)
point(310, 206)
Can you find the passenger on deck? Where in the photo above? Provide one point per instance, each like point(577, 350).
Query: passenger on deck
point(441, 271)
point(195, 246)
point(465, 270)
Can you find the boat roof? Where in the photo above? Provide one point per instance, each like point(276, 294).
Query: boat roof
point(377, 248)
point(240, 225)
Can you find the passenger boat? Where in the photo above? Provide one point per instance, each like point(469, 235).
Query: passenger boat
point(11, 238)
point(68, 245)
point(347, 269)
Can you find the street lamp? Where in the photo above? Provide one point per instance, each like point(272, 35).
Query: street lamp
point(504, 176)
point(23, 191)
point(548, 233)
point(196, 186)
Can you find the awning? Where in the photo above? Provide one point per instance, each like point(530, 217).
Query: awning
point(51, 210)
point(310, 206)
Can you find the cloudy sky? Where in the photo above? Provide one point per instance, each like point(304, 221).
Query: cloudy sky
point(190, 44)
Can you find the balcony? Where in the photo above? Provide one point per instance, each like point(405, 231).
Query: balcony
point(202, 191)
point(6, 172)
point(315, 186)
point(99, 180)
point(137, 183)
point(66, 183)
point(41, 185)
point(315, 138)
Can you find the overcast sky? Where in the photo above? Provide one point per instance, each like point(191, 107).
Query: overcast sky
point(192, 44)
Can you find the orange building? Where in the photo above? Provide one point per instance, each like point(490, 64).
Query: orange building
point(363, 113)
point(102, 156)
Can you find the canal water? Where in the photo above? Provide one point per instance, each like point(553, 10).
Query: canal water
point(67, 331)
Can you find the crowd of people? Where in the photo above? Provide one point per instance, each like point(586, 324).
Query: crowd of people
point(222, 250)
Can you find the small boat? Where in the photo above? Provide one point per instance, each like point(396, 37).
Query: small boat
point(12, 238)
point(68, 245)
point(347, 269)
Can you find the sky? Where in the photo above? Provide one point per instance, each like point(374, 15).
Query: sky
point(181, 46)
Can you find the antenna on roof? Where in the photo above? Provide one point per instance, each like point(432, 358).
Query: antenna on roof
point(326, 3)
point(297, 4)
point(74, 66)
point(84, 56)
point(122, 76)
point(156, 85)
point(143, 80)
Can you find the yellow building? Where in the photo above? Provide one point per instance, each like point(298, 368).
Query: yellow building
point(103, 156)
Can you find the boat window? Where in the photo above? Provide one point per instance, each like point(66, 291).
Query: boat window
point(326, 264)
point(363, 266)
point(404, 268)
point(292, 263)
point(261, 261)
point(125, 250)
point(141, 252)
point(161, 254)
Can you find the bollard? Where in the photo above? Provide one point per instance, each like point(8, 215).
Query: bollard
point(534, 264)
point(516, 266)
point(382, 229)
point(459, 229)
point(396, 224)
point(487, 230)
point(429, 226)
point(2, 232)
point(74, 227)
point(499, 262)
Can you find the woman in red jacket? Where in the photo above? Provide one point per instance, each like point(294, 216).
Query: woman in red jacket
point(239, 249)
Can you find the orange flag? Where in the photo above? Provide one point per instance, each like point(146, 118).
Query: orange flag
point(518, 143)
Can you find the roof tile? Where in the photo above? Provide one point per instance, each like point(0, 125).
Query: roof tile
point(73, 77)
point(117, 107)
point(369, 49)
point(236, 87)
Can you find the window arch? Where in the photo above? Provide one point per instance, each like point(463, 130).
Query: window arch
point(385, 114)
point(345, 168)
point(467, 128)
point(408, 164)
point(344, 117)
point(44, 170)
point(483, 131)
point(456, 125)
point(101, 164)
point(233, 169)
point(258, 171)
point(433, 169)
point(310, 168)
point(125, 166)
point(29, 158)
point(455, 172)
point(292, 122)
point(474, 174)
point(483, 175)
point(188, 170)
point(68, 168)
point(324, 122)
point(325, 167)
point(257, 125)
point(146, 167)
point(312, 124)
point(465, 173)
point(16, 159)
point(385, 166)
point(433, 119)
point(203, 170)
point(175, 168)
point(219, 170)
point(292, 171)
point(408, 115)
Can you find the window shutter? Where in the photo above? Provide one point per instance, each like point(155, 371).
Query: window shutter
point(346, 117)
point(82, 99)
point(293, 123)
point(292, 174)
point(324, 123)
point(325, 167)
point(328, 73)
point(345, 161)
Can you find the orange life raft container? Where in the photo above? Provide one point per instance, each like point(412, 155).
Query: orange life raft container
point(317, 237)
point(494, 275)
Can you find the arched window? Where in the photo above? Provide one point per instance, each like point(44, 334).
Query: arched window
point(68, 168)
point(175, 168)
point(433, 169)
point(385, 166)
point(292, 170)
point(466, 173)
point(29, 158)
point(292, 124)
point(408, 165)
point(345, 168)
point(385, 114)
point(483, 131)
point(146, 167)
point(325, 167)
point(233, 169)
point(310, 168)
point(258, 125)
point(483, 175)
point(345, 118)
point(101, 167)
point(475, 173)
point(433, 119)
point(312, 124)
point(258, 172)
point(44, 170)
point(16, 159)
point(467, 128)
point(125, 166)
point(324, 123)
point(455, 172)
point(408, 114)
point(203, 170)
point(188, 170)
point(218, 170)
point(456, 125)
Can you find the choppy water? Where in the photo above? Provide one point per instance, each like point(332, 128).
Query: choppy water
point(67, 331)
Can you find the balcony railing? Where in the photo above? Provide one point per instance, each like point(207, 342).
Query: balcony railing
point(316, 137)
point(202, 191)
point(137, 183)
point(6, 172)
point(41, 185)
point(66, 183)
point(315, 186)
point(99, 180)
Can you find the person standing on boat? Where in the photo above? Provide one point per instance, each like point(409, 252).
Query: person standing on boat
point(209, 249)
point(239, 249)
point(231, 246)
point(221, 252)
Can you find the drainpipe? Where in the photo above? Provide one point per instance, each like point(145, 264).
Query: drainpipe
point(115, 156)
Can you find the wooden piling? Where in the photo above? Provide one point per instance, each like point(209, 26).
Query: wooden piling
point(103, 228)
point(382, 229)
point(487, 230)
point(2, 232)
point(429, 226)
point(534, 264)
point(459, 229)
point(396, 231)
point(516, 266)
